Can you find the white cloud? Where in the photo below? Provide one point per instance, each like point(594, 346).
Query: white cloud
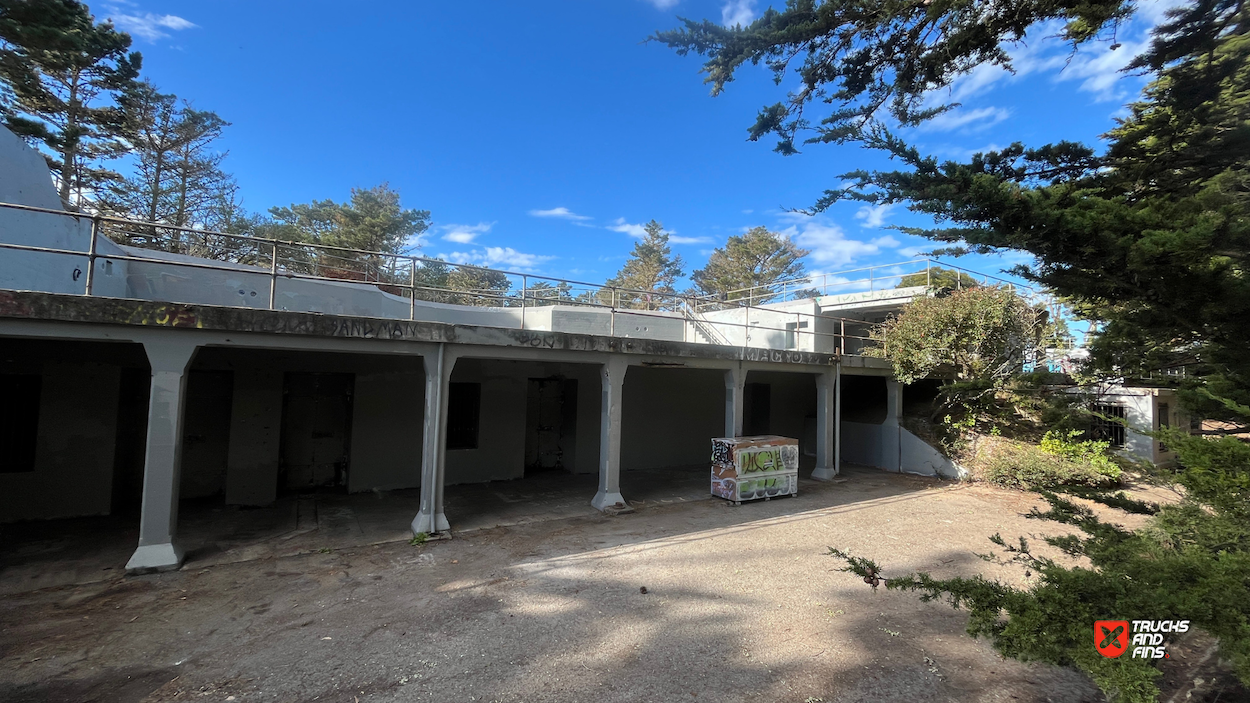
point(737, 12)
point(148, 25)
point(874, 215)
point(465, 234)
point(689, 240)
point(966, 120)
point(829, 244)
point(498, 257)
point(632, 230)
point(562, 213)
point(664, 4)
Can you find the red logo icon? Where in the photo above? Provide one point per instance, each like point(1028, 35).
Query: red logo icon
point(1111, 637)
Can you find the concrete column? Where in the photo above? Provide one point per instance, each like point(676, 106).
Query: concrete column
point(255, 433)
point(431, 518)
point(837, 417)
point(826, 418)
point(735, 387)
point(891, 451)
point(157, 551)
point(612, 375)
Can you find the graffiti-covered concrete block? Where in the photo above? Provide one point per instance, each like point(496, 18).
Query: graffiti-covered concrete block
point(748, 468)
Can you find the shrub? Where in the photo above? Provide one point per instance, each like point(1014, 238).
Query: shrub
point(1070, 447)
point(1028, 466)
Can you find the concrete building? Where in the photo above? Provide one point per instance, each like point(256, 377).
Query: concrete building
point(144, 365)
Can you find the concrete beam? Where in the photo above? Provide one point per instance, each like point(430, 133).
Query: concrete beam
point(612, 376)
point(827, 413)
point(431, 518)
point(158, 524)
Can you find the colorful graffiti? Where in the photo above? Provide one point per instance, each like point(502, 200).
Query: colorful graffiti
point(751, 468)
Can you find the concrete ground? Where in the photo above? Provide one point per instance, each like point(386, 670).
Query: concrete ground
point(741, 604)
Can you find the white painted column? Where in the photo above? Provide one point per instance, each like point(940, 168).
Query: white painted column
point(162, 462)
point(430, 518)
point(735, 387)
point(891, 450)
point(612, 375)
point(837, 417)
point(826, 416)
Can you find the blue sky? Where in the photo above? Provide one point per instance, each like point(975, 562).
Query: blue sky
point(541, 135)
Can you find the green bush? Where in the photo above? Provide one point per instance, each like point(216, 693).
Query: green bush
point(1027, 466)
point(1095, 454)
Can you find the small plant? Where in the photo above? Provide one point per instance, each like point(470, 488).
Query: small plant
point(419, 539)
point(325, 550)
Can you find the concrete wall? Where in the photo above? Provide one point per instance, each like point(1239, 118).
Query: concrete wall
point(500, 452)
point(792, 397)
point(669, 416)
point(861, 444)
point(206, 433)
point(255, 435)
point(766, 325)
point(75, 447)
point(388, 417)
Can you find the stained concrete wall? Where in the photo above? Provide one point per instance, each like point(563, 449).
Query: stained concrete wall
point(206, 433)
point(74, 450)
point(388, 417)
point(500, 452)
point(255, 434)
point(669, 416)
point(792, 400)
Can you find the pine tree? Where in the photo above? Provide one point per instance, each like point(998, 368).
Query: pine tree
point(63, 74)
point(177, 177)
point(753, 260)
point(651, 267)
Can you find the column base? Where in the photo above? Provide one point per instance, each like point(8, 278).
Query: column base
point(824, 473)
point(150, 558)
point(610, 503)
point(429, 524)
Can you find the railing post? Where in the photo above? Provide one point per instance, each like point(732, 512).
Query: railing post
point(842, 337)
point(870, 281)
point(612, 314)
point(273, 277)
point(412, 289)
point(928, 277)
point(746, 326)
point(525, 284)
point(95, 232)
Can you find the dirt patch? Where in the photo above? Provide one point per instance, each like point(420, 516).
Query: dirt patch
point(741, 604)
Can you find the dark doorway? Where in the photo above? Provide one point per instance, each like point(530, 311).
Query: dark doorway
point(132, 440)
point(756, 409)
point(316, 429)
point(550, 424)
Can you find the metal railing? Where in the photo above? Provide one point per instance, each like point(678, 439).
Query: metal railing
point(924, 271)
point(416, 280)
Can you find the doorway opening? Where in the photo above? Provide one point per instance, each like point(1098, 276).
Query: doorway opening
point(550, 424)
point(316, 431)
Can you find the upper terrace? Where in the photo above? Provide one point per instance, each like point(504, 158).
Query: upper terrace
point(49, 250)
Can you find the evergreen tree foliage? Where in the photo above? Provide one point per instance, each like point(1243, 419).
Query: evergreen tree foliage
point(865, 56)
point(651, 267)
point(756, 258)
point(64, 75)
point(177, 177)
point(939, 278)
point(981, 333)
point(373, 220)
